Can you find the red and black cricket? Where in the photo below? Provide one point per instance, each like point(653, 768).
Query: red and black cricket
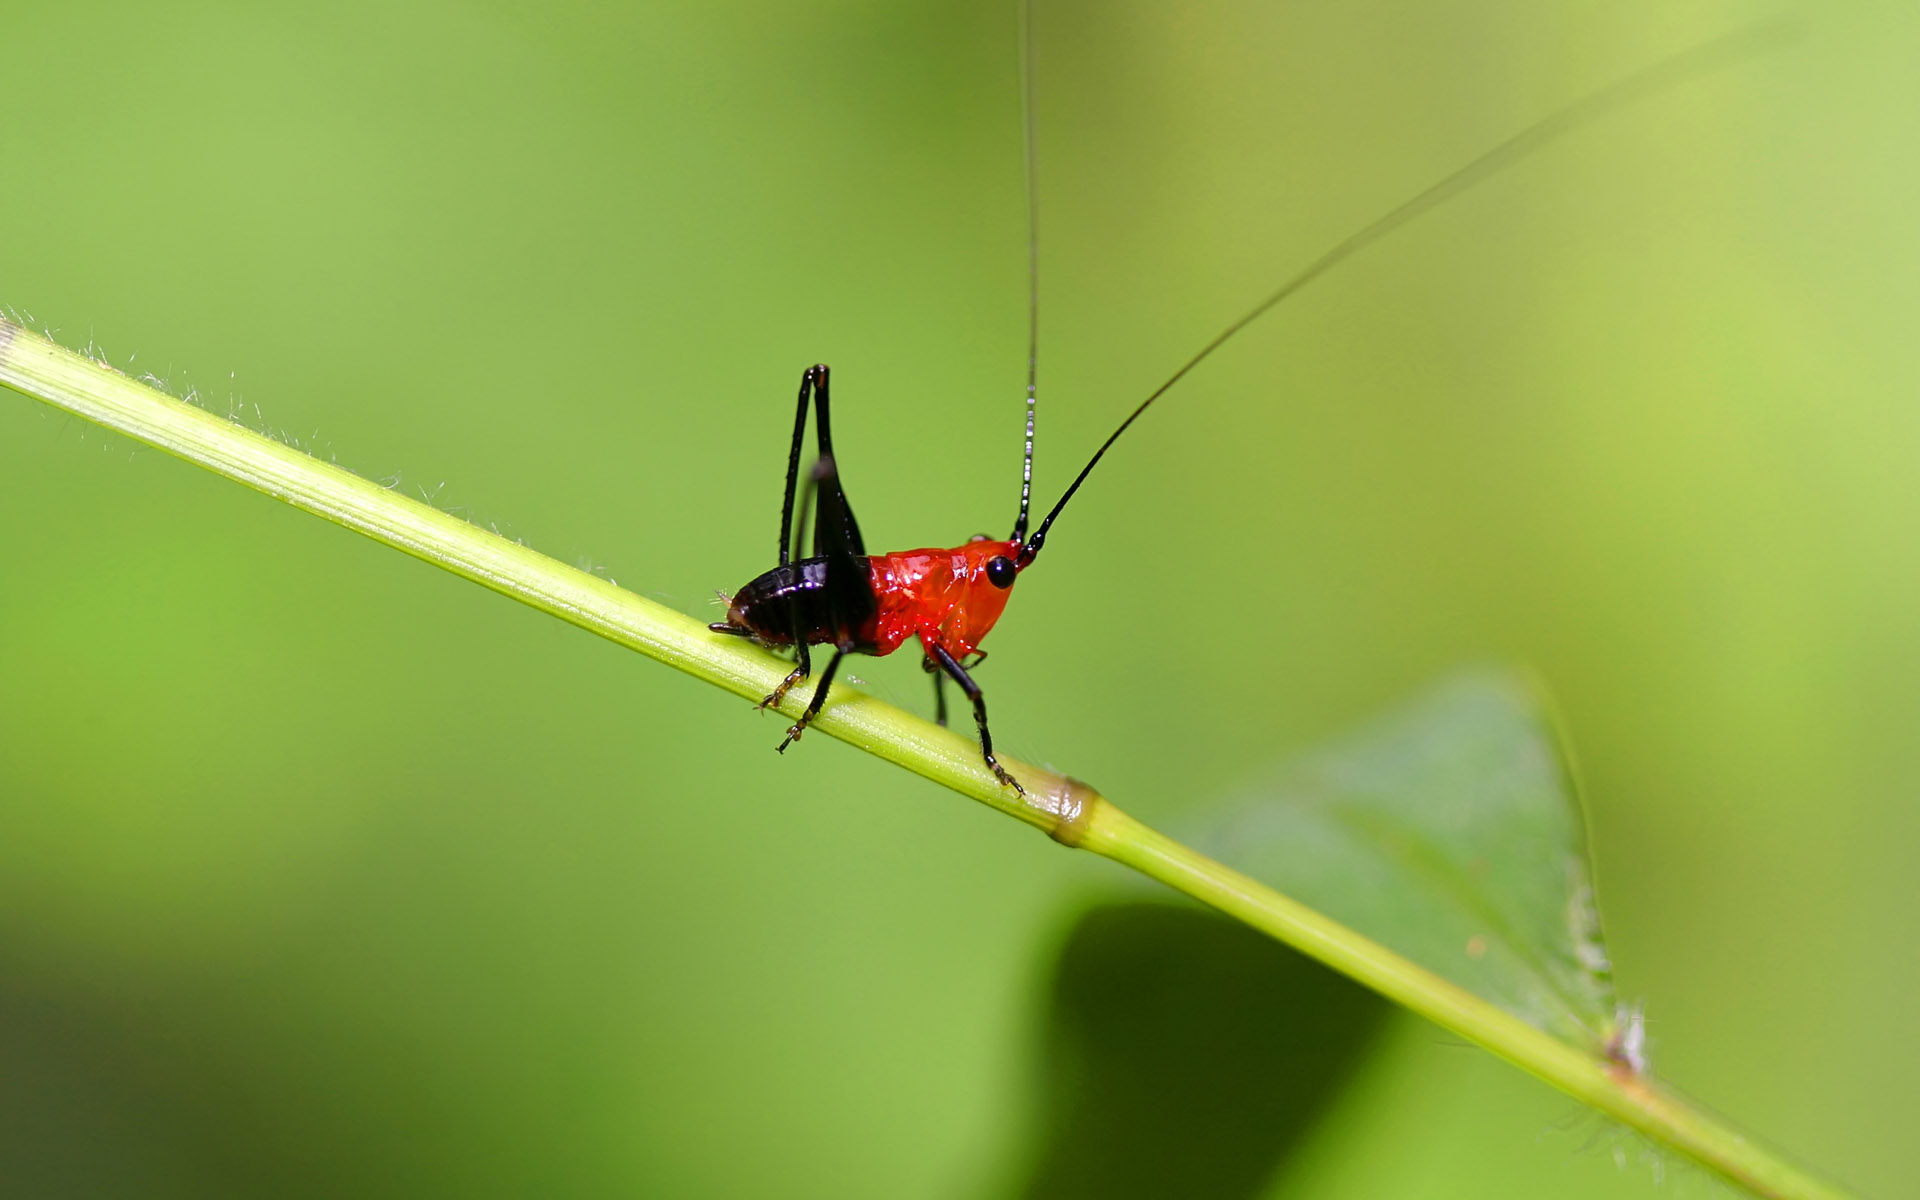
point(861, 604)
point(949, 599)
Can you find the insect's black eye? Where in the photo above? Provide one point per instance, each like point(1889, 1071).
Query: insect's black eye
point(1000, 572)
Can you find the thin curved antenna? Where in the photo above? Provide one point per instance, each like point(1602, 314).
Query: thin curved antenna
point(1033, 258)
point(1680, 68)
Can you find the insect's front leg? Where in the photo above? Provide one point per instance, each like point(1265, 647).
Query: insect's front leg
point(952, 667)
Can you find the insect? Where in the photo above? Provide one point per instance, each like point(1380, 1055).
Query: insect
point(948, 599)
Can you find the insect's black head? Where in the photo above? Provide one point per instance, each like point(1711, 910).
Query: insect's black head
point(1001, 571)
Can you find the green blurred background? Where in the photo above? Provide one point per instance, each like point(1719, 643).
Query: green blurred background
point(322, 871)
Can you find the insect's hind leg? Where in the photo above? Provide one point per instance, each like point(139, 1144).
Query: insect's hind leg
point(800, 671)
point(819, 698)
point(952, 667)
point(845, 590)
point(812, 379)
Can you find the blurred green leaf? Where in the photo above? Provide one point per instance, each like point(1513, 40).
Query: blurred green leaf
point(1197, 1044)
point(1450, 831)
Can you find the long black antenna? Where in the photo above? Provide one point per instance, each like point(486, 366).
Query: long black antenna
point(1033, 259)
point(1680, 68)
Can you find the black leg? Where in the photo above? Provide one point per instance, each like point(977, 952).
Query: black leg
point(839, 531)
point(850, 601)
point(804, 666)
point(813, 706)
point(823, 473)
point(952, 667)
point(847, 583)
point(823, 422)
point(807, 378)
point(939, 691)
point(835, 531)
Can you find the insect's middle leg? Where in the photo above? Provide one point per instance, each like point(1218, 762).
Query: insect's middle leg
point(932, 668)
point(952, 667)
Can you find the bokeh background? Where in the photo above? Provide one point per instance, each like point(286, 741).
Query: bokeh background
point(324, 872)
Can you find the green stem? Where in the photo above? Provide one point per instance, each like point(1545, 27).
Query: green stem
point(1608, 1085)
point(1069, 811)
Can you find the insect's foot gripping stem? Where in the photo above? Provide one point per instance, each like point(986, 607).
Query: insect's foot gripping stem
point(780, 693)
point(951, 665)
point(1000, 773)
point(813, 706)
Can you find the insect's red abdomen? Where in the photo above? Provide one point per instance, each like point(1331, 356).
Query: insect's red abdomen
point(942, 597)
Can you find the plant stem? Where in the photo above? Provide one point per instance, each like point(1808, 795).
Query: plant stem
point(1067, 810)
point(1610, 1086)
